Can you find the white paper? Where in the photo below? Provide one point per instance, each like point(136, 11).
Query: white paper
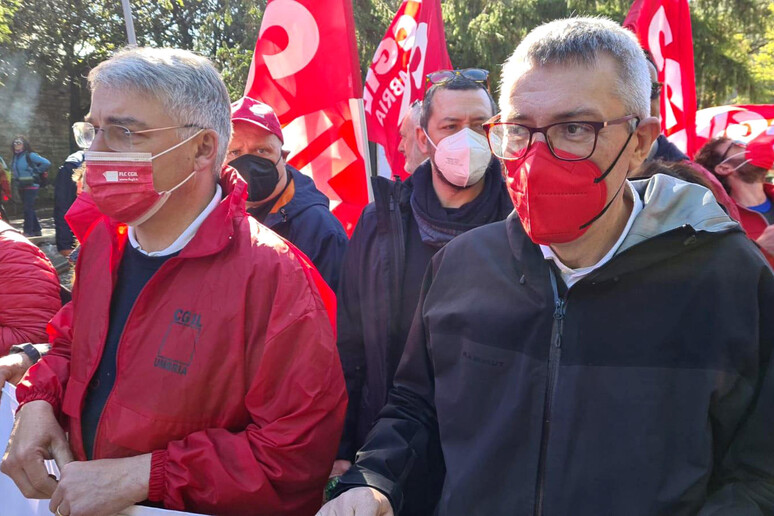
point(12, 502)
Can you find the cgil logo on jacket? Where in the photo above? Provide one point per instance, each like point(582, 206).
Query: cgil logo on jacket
point(178, 347)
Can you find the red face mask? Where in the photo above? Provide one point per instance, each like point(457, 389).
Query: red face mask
point(760, 152)
point(556, 200)
point(121, 184)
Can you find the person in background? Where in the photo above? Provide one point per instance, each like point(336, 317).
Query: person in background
point(29, 171)
point(408, 138)
point(5, 189)
point(65, 192)
point(459, 188)
point(742, 171)
point(279, 196)
point(29, 290)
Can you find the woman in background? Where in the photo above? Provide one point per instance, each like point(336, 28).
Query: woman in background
point(29, 171)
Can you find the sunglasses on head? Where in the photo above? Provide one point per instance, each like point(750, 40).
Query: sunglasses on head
point(478, 75)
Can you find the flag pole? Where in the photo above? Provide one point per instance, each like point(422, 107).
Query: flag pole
point(130, 36)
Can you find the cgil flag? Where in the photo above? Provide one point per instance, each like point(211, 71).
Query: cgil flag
point(742, 123)
point(305, 66)
point(664, 29)
point(414, 45)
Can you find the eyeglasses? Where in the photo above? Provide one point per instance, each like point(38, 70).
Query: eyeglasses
point(478, 75)
point(567, 141)
point(18, 142)
point(728, 149)
point(655, 90)
point(117, 137)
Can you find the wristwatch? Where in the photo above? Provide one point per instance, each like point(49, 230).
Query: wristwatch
point(330, 486)
point(28, 349)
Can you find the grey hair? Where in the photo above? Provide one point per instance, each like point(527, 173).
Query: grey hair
point(415, 112)
point(187, 85)
point(579, 41)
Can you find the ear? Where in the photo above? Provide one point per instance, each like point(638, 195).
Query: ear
point(207, 150)
point(644, 136)
point(422, 142)
point(724, 169)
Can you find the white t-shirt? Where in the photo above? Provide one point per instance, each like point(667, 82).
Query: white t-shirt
point(573, 276)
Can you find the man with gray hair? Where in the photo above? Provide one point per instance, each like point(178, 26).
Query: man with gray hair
point(573, 359)
point(407, 145)
point(195, 367)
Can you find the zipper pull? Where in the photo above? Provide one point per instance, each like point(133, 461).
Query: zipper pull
point(559, 318)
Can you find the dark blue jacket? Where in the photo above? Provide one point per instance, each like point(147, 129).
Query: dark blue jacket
point(29, 164)
point(370, 295)
point(668, 151)
point(65, 191)
point(307, 222)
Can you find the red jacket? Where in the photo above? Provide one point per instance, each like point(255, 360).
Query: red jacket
point(753, 222)
point(29, 290)
point(227, 369)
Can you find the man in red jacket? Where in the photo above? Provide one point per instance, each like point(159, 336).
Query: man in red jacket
point(742, 169)
point(195, 368)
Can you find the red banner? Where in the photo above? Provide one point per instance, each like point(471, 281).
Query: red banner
point(305, 66)
point(414, 45)
point(664, 28)
point(742, 123)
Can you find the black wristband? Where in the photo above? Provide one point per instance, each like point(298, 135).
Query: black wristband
point(28, 349)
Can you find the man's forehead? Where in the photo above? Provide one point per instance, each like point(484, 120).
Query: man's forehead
point(251, 134)
point(461, 103)
point(126, 108)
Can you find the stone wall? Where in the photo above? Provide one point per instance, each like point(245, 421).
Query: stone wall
point(38, 110)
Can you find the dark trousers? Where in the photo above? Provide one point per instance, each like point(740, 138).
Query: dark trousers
point(31, 224)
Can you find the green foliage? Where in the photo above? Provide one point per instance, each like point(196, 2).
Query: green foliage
point(61, 40)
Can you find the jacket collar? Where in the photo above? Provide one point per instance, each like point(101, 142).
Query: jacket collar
point(218, 229)
point(676, 216)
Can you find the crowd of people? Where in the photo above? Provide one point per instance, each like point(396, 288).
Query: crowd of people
point(558, 312)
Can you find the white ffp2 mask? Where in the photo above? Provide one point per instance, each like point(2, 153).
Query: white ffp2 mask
point(462, 157)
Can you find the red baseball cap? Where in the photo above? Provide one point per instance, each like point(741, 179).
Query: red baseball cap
point(257, 113)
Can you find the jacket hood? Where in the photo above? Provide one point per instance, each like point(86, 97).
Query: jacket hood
point(670, 203)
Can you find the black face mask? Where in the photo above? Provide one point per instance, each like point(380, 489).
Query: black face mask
point(260, 173)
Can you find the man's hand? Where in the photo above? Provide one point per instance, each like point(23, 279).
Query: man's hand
point(339, 468)
point(101, 487)
point(13, 367)
point(36, 437)
point(65, 252)
point(361, 501)
point(766, 240)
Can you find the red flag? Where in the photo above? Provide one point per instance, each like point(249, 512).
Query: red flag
point(305, 67)
point(414, 45)
point(664, 28)
point(742, 123)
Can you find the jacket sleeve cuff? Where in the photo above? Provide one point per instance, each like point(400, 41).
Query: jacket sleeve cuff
point(157, 482)
point(40, 395)
point(357, 477)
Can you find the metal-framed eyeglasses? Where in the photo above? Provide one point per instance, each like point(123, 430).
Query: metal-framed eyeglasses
point(117, 137)
point(567, 141)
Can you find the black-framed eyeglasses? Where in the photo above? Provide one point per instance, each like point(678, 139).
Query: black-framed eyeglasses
point(478, 75)
point(655, 90)
point(117, 137)
point(567, 141)
point(18, 142)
